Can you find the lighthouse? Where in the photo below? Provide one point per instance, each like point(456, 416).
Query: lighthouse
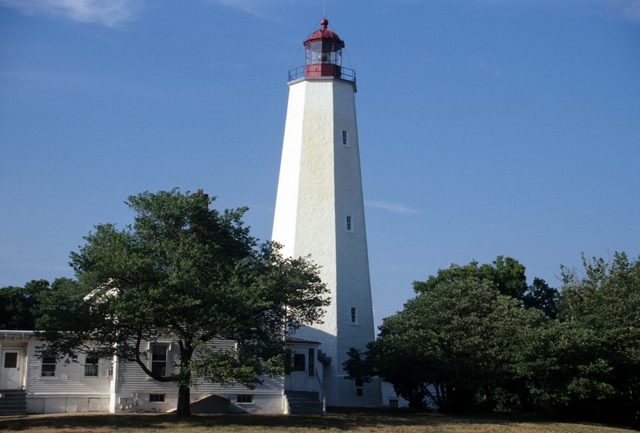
point(320, 213)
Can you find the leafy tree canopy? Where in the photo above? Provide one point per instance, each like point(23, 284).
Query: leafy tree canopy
point(458, 339)
point(20, 306)
point(190, 273)
point(505, 274)
point(17, 305)
point(466, 343)
point(592, 362)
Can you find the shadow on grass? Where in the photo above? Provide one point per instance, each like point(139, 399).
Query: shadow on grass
point(338, 419)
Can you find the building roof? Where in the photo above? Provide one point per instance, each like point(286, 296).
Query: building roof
point(295, 340)
point(11, 334)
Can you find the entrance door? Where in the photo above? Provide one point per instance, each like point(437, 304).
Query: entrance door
point(299, 373)
point(10, 373)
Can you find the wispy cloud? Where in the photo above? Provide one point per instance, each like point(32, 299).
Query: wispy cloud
point(632, 10)
point(267, 9)
point(259, 8)
point(110, 13)
point(393, 207)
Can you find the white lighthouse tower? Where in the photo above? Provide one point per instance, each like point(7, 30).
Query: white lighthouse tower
point(320, 211)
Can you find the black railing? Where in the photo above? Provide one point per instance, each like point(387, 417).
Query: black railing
point(296, 73)
point(346, 74)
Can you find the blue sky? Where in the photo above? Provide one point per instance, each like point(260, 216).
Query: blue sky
point(487, 127)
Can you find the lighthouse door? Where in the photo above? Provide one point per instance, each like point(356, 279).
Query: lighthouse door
point(10, 371)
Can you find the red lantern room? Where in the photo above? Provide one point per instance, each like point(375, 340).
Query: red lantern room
point(323, 53)
point(323, 56)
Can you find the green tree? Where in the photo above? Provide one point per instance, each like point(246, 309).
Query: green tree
point(507, 275)
point(455, 343)
point(567, 370)
point(590, 365)
point(190, 273)
point(18, 305)
point(542, 297)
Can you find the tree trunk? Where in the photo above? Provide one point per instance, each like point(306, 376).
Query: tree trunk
point(184, 388)
point(184, 401)
point(416, 400)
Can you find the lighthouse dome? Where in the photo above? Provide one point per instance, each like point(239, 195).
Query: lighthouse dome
point(323, 34)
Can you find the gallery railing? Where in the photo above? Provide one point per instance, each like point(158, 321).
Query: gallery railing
point(346, 74)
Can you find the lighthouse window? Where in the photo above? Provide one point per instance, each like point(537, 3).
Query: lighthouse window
point(354, 315)
point(349, 224)
point(314, 53)
point(345, 138)
point(324, 52)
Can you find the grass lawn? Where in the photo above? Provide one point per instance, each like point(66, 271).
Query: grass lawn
point(353, 421)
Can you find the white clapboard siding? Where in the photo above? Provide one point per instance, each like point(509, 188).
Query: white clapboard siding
point(69, 379)
point(133, 380)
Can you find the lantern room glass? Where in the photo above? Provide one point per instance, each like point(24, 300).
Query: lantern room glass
point(323, 52)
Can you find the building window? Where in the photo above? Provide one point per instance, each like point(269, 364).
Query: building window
point(349, 223)
point(354, 316)
point(298, 362)
point(393, 403)
point(159, 359)
point(311, 363)
point(156, 398)
point(48, 366)
point(345, 138)
point(359, 392)
point(359, 382)
point(108, 372)
point(244, 398)
point(91, 367)
point(11, 360)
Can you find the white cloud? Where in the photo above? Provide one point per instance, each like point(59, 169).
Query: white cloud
point(110, 13)
point(391, 207)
